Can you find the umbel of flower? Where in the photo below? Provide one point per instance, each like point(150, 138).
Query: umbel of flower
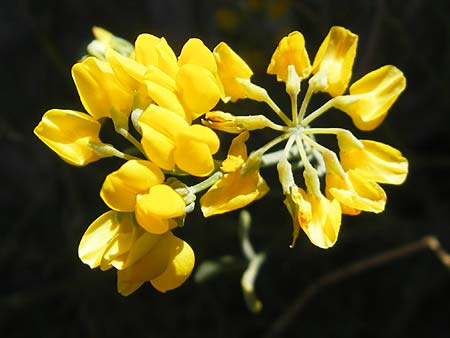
point(135, 236)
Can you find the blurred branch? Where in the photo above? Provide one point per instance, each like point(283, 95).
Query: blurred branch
point(427, 243)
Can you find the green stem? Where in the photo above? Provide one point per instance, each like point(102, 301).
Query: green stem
point(278, 111)
point(315, 114)
point(206, 183)
point(305, 103)
point(131, 139)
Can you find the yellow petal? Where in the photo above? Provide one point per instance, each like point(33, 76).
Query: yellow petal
point(357, 193)
point(198, 89)
point(97, 237)
point(194, 149)
point(237, 154)
point(158, 147)
point(155, 209)
point(150, 266)
point(376, 161)
point(179, 269)
point(290, 51)
point(230, 67)
point(159, 129)
point(195, 52)
point(299, 209)
point(156, 75)
point(323, 228)
point(129, 72)
point(145, 49)
point(371, 97)
point(121, 244)
point(165, 98)
point(99, 89)
point(163, 120)
point(121, 188)
point(154, 51)
point(233, 191)
point(142, 244)
point(333, 63)
point(69, 134)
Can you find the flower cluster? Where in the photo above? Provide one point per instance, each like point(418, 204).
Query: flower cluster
point(163, 105)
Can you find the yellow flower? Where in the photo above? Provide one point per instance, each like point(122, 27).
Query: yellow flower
point(290, 51)
point(371, 97)
point(332, 66)
point(101, 93)
point(319, 217)
point(231, 67)
point(355, 192)
point(170, 141)
point(137, 187)
point(375, 160)
point(115, 240)
point(234, 190)
point(72, 135)
point(188, 85)
point(166, 266)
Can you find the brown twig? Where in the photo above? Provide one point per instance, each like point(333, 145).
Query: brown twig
point(427, 243)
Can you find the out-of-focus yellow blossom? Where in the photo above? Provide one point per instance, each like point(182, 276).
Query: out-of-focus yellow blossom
point(234, 190)
point(290, 51)
point(188, 85)
point(170, 141)
point(104, 40)
point(101, 94)
point(332, 66)
point(230, 68)
point(72, 135)
point(137, 186)
point(115, 240)
point(371, 97)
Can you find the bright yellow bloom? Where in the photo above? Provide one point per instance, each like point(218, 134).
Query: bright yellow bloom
point(290, 51)
point(333, 63)
point(100, 91)
point(170, 141)
point(188, 85)
point(137, 187)
point(375, 160)
point(371, 97)
point(319, 217)
point(115, 240)
point(166, 266)
point(234, 190)
point(230, 68)
point(72, 135)
point(355, 192)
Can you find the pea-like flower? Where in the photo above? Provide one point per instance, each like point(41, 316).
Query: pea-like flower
point(188, 85)
point(235, 189)
point(72, 135)
point(137, 186)
point(169, 141)
point(115, 240)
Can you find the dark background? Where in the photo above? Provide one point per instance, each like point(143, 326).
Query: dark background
point(45, 291)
